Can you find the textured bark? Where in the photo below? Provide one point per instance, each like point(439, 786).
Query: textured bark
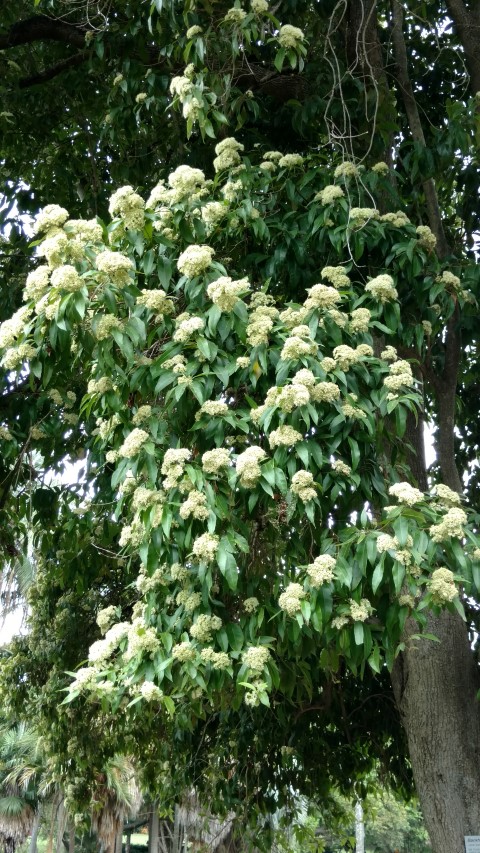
point(32, 847)
point(435, 686)
point(153, 835)
point(467, 24)
point(42, 28)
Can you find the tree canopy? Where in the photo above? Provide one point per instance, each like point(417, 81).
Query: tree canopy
point(252, 280)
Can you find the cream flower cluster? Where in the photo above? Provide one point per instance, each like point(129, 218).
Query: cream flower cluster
point(291, 599)
point(400, 377)
point(132, 534)
point(284, 436)
point(156, 300)
point(261, 324)
point(186, 182)
point(292, 317)
point(213, 213)
point(190, 600)
point(84, 230)
point(346, 170)
point(133, 443)
point(187, 326)
point(12, 328)
point(54, 249)
point(195, 260)
point(194, 31)
point(100, 386)
point(321, 296)
point(143, 498)
point(339, 622)
point(127, 204)
point(399, 219)
point(204, 626)
point(321, 570)
point(253, 696)
point(115, 265)
point(228, 152)
point(52, 216)
point(225, 293)
point(451, 525)
point(426, 238)
point(256, 658)
point(250, 605)
point(106, 617)
point(381, 168)
point(259, 6)
point(341, 468)
point(293, 396)
point(16, 356)
point(66, 278)
point(173, 465)
point(442, 586)
point(329, 194)
point(205, 547)
point(217, 660)
point(36, 285)
point(248, 466)
point(298, 345)
point(382, 288)
point(150, 692)
point(359, 320)
point(290, 37)
point(214, 460)
point(325, 392)
point(141, 641)
point(389, 354)
point(289, 161)
point(213, 408)
point(104, 326)
point(142, 414)
point(235, 15)
point(360, 611)
point(195, 506)
point(447, 495)
point(303, 485)
point(183, 652)
point(406, 494)
point(345, 356)
point(6, 435)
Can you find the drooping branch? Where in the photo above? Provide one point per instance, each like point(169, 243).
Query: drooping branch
point(54, 71)
point(42, 28)
point(416, 129)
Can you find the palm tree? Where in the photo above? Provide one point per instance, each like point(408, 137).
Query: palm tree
point(23, 783)
point(117, 795)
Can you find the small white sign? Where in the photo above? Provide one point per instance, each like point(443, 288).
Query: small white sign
point(472, 843)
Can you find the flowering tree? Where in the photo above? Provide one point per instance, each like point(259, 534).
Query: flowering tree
point(245, 362)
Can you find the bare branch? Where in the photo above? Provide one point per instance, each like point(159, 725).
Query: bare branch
point(42, 28)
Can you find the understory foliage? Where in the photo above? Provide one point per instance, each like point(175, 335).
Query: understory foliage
point(229, 326)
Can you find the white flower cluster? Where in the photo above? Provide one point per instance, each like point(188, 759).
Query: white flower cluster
point(195, 506)
point(256, 658)
point(66, 278)
point(259, 6)
point(6, 435)
point(106, 617)
point(451, 525)
point(225, 293)
point(406, 494)
point(204, 626)
point(359, 320)
point(321, 296)
point(447, 495)
point(84, 230)
point(235, 15)
point(345, 356)
point(214, 460)
point(186, 183)
point(54, 249)
point(142, 414)
point(360, 610)
point(291, 599)
point(399, 219)
point(382, 288)
point(16, 356)
point(213, 408)
point(132, 534)
point(217, 660)
point(156, 300)
point(284, 436)
point(248, 466)
point(451, 281)
point(52, 216)
point(143, 498)
point(303, 486)
point(183, 652)
point(298, 345)
point(195, 260)
point(293, 396)
point(228, 149)
point(346, 170)
point(321, 570)
point(250, 605)
point(426, 238)
point(104, 326)
point(100, 386)
point(442, 586)
point(341, 468)
point(127, 204)
point(186, 327)
point(213, 213)
point(36, 284)
point(205, 547)
point(289, 161)
point(361, 215)
point(141, 640)
point(389, 354)
point(292, 317)
point(194, 31)
point(190, 600)
point(401, 376)
point(329, 194)
point(173, 465)
point(103, 649)
point(253, 696)
point(133, 443)
point(150, 692)
point(290, 37)
point(325, 392)
point(115, 265)
point(12, 328)
point(261, 324)
point(339, 622)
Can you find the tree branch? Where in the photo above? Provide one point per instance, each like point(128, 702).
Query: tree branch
point(467, 23)
point(54, 71)
point(42, 28)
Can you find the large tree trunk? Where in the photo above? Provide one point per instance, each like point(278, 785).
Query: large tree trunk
point(435, 686)
point(32, 848)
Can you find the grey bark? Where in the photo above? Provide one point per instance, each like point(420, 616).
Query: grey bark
point(435, 686)
point(32, 848)
point(153, 836)
point(467, 24)
point(359, 828)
